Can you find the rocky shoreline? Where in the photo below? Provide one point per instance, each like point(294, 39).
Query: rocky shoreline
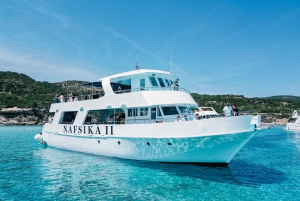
point(23, 116)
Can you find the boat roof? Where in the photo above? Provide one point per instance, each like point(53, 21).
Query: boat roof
point(136, 72)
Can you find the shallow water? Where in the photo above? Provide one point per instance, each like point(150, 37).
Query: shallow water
point(267, 168)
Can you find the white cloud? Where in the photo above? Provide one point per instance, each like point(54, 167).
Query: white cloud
point(41, 10)
point(132, 43)
point(43, 70)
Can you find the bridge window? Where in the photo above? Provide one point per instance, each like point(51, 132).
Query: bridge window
point(153, 81)
point(161, 82)
point(168, 83)
point(142, 83)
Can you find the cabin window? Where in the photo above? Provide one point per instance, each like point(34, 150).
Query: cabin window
point(169, 110)
point(121, 86)
point(183, 109)
point(142, 83)
point(132, 112)
point(158, 112)
point(171, 82)
point(161, 82)
point(68, 117)
point(168, 83)
point(144, 111)
point(108, 116)
point(153, 81)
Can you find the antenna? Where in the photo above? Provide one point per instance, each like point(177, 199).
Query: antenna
point(171, 62)
point(137, 63)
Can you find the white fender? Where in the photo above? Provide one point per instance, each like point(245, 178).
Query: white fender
point(38, 137)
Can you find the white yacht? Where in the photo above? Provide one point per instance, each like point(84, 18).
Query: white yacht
point(134, 118)
point(294, 122)
point(206, 113)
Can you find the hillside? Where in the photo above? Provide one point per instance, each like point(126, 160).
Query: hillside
point(19, 90)
point(293, 98)
point(261, 105)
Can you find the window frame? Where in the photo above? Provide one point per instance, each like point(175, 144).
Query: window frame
point(141, 83)
point(168, 82)
point(134, 112)
point(151, 81)
point(161, 82)
point(163, 111)
point(142, 111)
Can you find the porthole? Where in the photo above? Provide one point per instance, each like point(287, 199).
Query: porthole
point(148, 143)
point(98, 141)
point(169, 143)
point(119, 142)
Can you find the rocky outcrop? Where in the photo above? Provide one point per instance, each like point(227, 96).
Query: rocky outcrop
point(277, 118)
point(22, 116)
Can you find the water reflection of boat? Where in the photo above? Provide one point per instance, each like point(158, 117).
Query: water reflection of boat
point(135, 120)
point(294, 121)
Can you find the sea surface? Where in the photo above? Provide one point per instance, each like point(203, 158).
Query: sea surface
point(267, 168)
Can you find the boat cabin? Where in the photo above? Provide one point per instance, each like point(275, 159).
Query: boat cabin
point(135, 97)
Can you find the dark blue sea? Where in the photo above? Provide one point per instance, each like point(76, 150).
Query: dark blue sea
point(267, 168)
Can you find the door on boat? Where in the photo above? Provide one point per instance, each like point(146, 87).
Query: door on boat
point(153, 113)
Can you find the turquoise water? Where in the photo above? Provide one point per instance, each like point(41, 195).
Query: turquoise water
point(267, 168)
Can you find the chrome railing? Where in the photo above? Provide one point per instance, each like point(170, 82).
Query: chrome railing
point(79, 98)
point(133, 121)
point(92, 96)
point(150, 89)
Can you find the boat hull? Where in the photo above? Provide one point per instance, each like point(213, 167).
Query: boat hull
point(293, 126)
point(209, 141)
point(207, 149)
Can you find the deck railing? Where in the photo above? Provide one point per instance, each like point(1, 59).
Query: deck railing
point(150, 89)
point(92, 96)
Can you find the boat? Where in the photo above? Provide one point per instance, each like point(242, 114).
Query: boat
point(210, 112)
point(134, 118)
point(294, 121)
point(206, 113)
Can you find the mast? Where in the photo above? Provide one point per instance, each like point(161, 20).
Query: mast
point(171, 63)
point(137, 63)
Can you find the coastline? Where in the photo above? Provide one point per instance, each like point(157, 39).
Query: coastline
point(23, 116)
point(34, 116)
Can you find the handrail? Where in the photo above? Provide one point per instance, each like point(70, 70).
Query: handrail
point(150, 89)
point(241, 113)
point(90, 96)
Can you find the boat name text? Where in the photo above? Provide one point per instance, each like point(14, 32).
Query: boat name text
point(88, 129)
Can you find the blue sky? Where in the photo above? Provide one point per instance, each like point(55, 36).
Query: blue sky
point(249, 48)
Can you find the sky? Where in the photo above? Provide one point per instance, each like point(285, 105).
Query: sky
point(249, 48)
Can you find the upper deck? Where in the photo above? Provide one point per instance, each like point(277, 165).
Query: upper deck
point(142, 95)
point(140, 80)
